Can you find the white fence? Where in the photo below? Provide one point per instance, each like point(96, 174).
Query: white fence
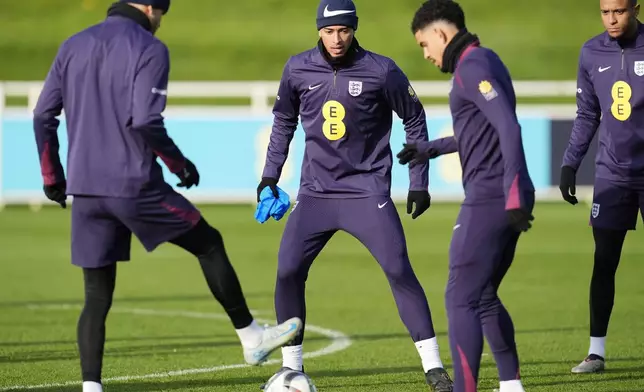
point(260, 94)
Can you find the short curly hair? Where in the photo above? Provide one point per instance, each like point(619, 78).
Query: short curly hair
point(434, 10)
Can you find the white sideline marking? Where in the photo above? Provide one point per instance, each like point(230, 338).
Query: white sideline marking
point(339, 342)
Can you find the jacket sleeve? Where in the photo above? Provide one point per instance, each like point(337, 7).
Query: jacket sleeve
point(444, 145)
point(403, 100)
point(286, 112)
point(587, 121)
point(149, 101)
point(481, 85)
point(45, 123)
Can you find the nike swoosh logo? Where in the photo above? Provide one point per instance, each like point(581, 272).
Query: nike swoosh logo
point(328, 14)
point(383, 204)
point(314, 87)
point(456, 227)
point(604, 69)
point(291, 329)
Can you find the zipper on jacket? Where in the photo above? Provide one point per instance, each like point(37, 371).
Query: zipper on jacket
point(335, 73)
point(622, 59)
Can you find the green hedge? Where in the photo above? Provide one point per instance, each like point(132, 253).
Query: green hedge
point(251, 39)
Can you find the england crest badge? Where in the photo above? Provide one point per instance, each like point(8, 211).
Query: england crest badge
point(595, 210)
point(638, 67)
point(355, 88)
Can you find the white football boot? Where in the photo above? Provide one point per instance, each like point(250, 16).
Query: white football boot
point(272, 339)
point(592, 364)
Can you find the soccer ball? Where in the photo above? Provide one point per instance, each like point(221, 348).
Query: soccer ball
point(290, 381)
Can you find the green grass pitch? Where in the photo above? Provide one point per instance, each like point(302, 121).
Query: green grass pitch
point(164, 319)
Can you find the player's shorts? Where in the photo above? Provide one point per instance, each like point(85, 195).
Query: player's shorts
point(615, 205)
point(102, 227)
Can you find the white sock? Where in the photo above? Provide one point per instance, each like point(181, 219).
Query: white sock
point(292, 357)
point(250, 336)
point(598, 346)
point(429, 355)
point(91, 386)
point(511, 386)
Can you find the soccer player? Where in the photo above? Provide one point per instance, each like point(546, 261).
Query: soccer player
point(111, 80)
point(345, 96)
point(499, 194)
point(608, 99)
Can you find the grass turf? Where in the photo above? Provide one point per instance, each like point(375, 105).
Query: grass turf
point(251, 40)
point(546, 292)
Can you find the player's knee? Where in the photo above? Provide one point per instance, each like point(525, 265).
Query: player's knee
point(456, 298)
point(291, 268)
point(97, 304)
point(397, 268)
point(489, 306)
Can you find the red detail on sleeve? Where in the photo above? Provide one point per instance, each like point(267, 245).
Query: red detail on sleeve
point(514, 201)
point(173, 165)
point(46, 166)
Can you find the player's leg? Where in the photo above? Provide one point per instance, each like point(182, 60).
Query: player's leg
point(99, 240)
point(376, 224)
point(310, 225)
point(99, 289)
point(475, 252)
point(498, 327)
point(613, 213)
point(166, 216)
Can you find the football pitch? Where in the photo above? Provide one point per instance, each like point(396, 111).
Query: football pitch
point(166, 333)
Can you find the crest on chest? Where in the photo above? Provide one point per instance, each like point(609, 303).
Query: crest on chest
point(638, 68)
point(355, 88)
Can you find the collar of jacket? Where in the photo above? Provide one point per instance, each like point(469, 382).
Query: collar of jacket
point(340, 62)
point(461, 41)
point(127, 11)
point(637, 41)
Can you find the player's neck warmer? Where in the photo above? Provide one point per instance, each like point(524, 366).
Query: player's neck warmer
point(455, 48)
point(127, 11)
point(343, 61)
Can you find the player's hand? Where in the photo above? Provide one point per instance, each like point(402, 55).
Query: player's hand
point(520, 219)
point(57, 193)
point(189, 176)
point(414, 156)
point(567, 184)
point(268, 182)
point(422, 201)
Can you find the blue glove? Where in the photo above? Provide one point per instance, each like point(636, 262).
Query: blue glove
point(269, 206)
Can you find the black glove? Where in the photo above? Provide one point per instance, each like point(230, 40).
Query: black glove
point(189, 176)
point(567, 184)
point(268, 182)
point(410, 154)
point(520, 219)
point(56, 193)
point(422, 200)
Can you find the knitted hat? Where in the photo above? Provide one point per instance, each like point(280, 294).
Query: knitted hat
point(337, 13)
point(163, 5)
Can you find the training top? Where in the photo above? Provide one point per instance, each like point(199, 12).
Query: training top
point(610, 97)
point(111, 80)
point(346, 114)
point(487, 134)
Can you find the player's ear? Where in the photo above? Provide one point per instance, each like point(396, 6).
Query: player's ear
point(443, 36)
point(636, 10)
point(320, 33)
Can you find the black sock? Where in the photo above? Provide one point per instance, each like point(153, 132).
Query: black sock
point(207, 244)
point(608, 250)
point(99, 288)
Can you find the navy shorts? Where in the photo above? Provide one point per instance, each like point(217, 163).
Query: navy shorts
point(102, 227)
point(615, 205)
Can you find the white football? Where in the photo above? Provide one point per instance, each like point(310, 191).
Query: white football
point(290, 381)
